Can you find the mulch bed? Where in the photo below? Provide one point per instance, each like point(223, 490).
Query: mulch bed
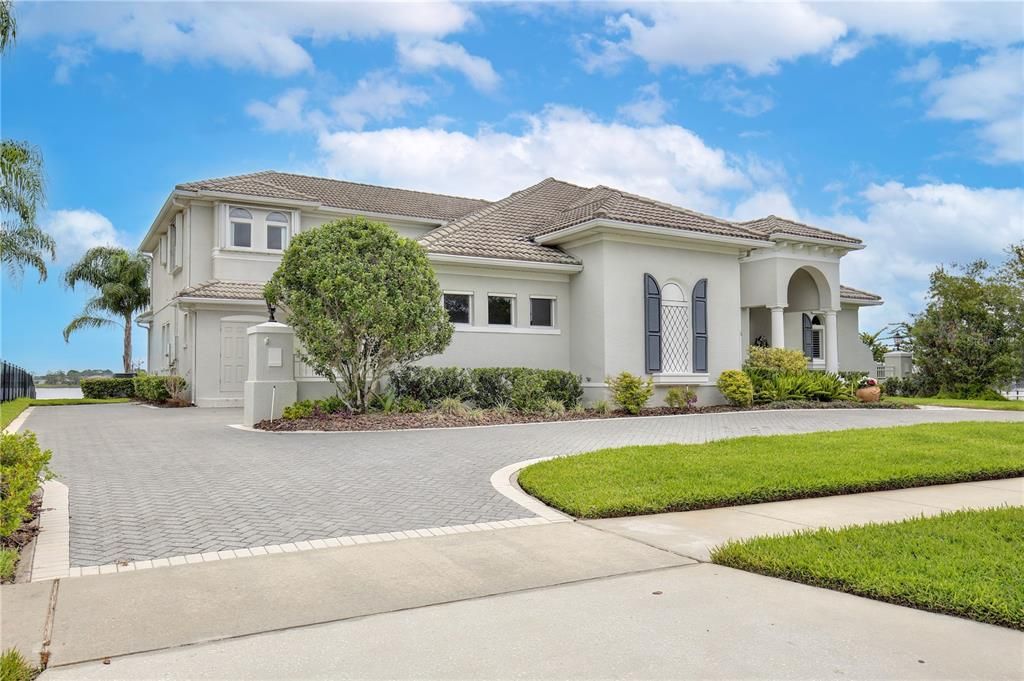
point(28, 530)
point(431, 419)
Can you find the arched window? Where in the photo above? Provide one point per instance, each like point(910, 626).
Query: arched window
point(277, 231)
point(675, 333)
point(241, 228)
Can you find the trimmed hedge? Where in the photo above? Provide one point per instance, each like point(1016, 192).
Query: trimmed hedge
point(103, 388)
point(154, 388)
point(22, 466)
point(487, 387)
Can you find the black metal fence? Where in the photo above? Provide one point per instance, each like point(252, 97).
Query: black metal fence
point(16, 382)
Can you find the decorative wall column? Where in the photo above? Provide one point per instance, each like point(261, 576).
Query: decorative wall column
point(271, 385)
point(831, 342)
point(778, 327)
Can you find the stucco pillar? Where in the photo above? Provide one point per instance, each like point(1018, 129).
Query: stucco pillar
point(270, 385)
point(778, 327)
point(831, 342)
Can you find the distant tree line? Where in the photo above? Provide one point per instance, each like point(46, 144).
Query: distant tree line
point(71, 377)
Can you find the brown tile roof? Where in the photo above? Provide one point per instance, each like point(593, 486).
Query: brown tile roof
point(850, 293)
point(614, 204)
point(773, 224)
point(341, 194)
point(504, 229)
point(229, 290)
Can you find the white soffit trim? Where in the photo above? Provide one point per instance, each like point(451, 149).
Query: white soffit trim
point(782, 238)
point(502, 263)
point(860, 302)
point(561, 234)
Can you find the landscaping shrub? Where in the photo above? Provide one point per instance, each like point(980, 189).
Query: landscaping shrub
point(681, 397)
point(775, 359)
point(410, 405)
point(487, 387)
point(631, 392)
point(736, 387)
point(602, 407)
point(553, 408)
point(298, 410)
point(493, 385)
point(450, 406)
point(385, 402)
point(22, 466)
point(307, 408)
point(564, 386)
point(103, 388)
point(159, 389)
point(430, 385)
point(528, 392)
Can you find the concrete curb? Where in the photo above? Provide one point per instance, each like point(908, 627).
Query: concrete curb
point(52, 559)
point(17, 423)
point(505, 482)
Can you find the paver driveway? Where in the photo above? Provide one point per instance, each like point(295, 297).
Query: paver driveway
point(153, 483)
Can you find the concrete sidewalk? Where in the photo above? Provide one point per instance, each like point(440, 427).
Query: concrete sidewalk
point(543, 601)
point(695, 533)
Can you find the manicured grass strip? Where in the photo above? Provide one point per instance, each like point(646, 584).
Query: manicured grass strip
point(1002, 405)
point(10, 410)
point(660, 478)
point(8, 561)
point(966, 563)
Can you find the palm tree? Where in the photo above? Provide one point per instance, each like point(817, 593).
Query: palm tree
point(121, 278)
point(21, 171)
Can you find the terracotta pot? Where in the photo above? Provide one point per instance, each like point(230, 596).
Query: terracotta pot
point(870, 394)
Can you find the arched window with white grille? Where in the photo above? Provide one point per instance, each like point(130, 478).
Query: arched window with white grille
point(675, 330)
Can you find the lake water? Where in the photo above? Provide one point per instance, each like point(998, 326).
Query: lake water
point(58, 393)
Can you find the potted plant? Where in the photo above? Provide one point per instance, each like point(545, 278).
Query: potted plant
point(868, 390)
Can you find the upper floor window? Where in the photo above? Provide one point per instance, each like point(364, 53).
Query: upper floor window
point(277, 231)
point(459, 307)
point(172, 246)
point(241, 228)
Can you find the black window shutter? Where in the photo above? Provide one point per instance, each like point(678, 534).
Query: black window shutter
point(700, 327)
point(808, 336)
point(652, 324)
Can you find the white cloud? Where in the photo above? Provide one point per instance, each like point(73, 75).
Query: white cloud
point(263, 36)
point(909, 230)
point(424, 55)
point(648, 108)
point(696, 36)
point(990, 93)
point(664, 161)
point(735, 99)
point(76, 231)
point(763, 203)
point(985, 24)
point(922, 70)
point(846, 50)
point(68, 58)
point(377, 97)
point(284, 114)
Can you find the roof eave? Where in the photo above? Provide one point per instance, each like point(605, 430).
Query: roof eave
point(820, 241)
point(860, 302)
point(169, 204)
point(504, 263)
point(691, 235)
point(220, 301)
point(257, 198)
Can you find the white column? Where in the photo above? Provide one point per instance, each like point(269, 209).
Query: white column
point(778, 328)
point(831, 342)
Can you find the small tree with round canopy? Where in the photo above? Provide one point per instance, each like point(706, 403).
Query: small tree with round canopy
point(362, 300)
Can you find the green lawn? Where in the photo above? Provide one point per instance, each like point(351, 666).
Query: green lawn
point(10, 410)
point(1002, 405)
point(966, 563)
point(660, 478)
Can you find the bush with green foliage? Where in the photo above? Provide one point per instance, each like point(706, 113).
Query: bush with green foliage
point(410, 405)
point(487, 387)
point(23, 465)
point(736, 387)
point(104, 388)
point(681, 397)
point(451, 406)
point(815, 386)
point(528, 393)
point(430, 385)
point(13, 667)
point(304, 409)
point(775, 359)
point(631, 392)
point(602, 407)
point(158, 389)
point(362, 300)
point(553, 408)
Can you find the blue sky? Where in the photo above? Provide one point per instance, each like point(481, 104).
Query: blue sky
point(900, 124)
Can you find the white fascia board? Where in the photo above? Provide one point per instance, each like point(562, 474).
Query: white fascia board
point(860, 303)
point(255, 199)
point(562, 234)
point(503, 263)
point(173, 201)
point(198, 300)
point(817, 241)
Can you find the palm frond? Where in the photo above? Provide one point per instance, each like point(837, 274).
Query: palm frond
point(8, 26)
point(86, 322)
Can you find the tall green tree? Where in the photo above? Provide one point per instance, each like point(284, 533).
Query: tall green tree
point(22, 242)
point(362, 300)
point(121, 281)
point(970, 336)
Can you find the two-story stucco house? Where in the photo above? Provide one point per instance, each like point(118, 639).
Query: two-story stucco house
point(594, 280)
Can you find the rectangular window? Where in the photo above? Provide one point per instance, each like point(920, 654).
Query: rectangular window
point(499, 309)
point(458, 306)
point(275, 238)
point(542, 311)
point(163, 250)
point(172, 246)
point(241, 234)
point(816, 344)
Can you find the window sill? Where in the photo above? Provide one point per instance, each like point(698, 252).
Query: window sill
point(241, 250)
point(507, 329)
point(681, 379)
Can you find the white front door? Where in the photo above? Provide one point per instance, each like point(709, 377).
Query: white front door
point(234, 356)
